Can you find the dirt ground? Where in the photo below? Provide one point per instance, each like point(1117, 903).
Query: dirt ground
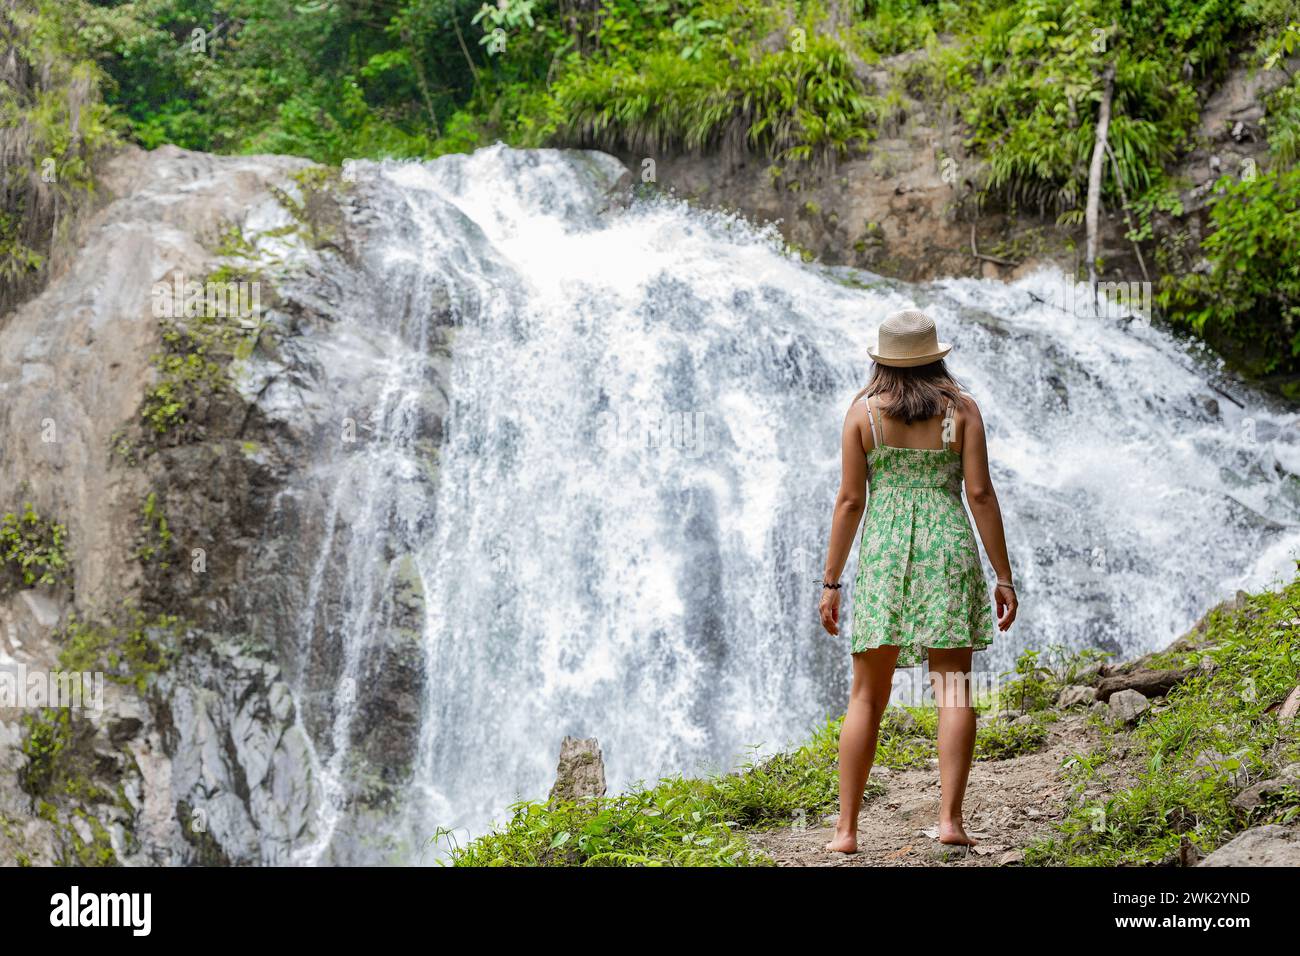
point(1009, 804)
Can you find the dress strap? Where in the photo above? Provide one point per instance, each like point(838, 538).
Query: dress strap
point(877, 432)
point(947, 424)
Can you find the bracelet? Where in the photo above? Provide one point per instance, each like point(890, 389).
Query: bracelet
point(834, 587)
point(1006, 584)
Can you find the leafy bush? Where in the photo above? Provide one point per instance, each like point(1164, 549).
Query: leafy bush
point(1031, 78)
point(789, 105)
point(187, 378)
point(1248, 301)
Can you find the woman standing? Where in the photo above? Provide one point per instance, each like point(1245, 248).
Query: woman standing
point(920, 591)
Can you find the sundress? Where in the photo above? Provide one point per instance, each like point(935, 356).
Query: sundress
point(919, 583)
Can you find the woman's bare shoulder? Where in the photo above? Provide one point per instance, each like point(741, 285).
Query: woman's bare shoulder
point(858, 408)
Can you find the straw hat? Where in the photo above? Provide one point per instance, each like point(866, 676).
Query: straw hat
point(908, 338)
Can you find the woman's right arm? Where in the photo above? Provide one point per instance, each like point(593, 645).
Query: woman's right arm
point(850, 503)
point(983, 502)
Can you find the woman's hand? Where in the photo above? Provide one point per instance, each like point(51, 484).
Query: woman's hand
point(830, 610)
point(1007, 605)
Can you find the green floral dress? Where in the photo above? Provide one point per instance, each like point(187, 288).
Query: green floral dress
point(920, 583)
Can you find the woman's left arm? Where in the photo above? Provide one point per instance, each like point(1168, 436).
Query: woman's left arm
point(849, 505)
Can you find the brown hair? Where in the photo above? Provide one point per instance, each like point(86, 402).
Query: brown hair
point(916, 393)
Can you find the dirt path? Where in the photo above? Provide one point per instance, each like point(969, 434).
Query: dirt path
point(1009, 804)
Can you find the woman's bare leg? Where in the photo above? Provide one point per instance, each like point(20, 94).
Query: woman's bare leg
point(873, 673)
point(950, 672)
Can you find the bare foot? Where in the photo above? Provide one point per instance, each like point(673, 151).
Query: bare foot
point(952, 833)
point(843, 843)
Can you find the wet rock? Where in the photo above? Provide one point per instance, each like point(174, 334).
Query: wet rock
point(1268, 845)
point(1126, 706)
point(581, 771)
point(239, 763)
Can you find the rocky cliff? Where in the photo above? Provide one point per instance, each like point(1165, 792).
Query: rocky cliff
point(174, 437)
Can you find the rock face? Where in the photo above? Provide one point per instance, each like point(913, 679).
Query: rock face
point(216, 519)
point(1268, 845)
point(581, 771)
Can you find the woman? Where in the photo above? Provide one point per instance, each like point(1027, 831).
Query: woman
point(920, 591)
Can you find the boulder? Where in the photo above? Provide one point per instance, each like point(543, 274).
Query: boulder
point(1268, 845)
point(1074, 695)
point(1258, 793)
point(581, 771)
point(1126, 706)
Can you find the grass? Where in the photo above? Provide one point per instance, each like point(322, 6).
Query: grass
point(682, 821)
point(1216, 736)
point(678, 822)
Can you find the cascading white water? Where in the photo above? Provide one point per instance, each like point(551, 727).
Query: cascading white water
point(633, 492)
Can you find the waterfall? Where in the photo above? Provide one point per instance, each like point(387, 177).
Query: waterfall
point(618, 531)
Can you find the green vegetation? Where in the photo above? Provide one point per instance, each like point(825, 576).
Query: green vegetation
point(1218, 734)
point(1031, 77)
point(693, 822)
point(1248, 301)
point(32, 550)
point(47, 736)
point(53, 128)
point(156, 534)
point(59, 747)
point(677, 822)
point(205, 329)
point(129, 649)
point(788, 80)
point(187, 378)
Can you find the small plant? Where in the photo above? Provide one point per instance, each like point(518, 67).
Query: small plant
point(32, 549)
point(155, 532)
point(188, 376)
point(1249, 299)
point(1034, 685)
point(47, 735)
